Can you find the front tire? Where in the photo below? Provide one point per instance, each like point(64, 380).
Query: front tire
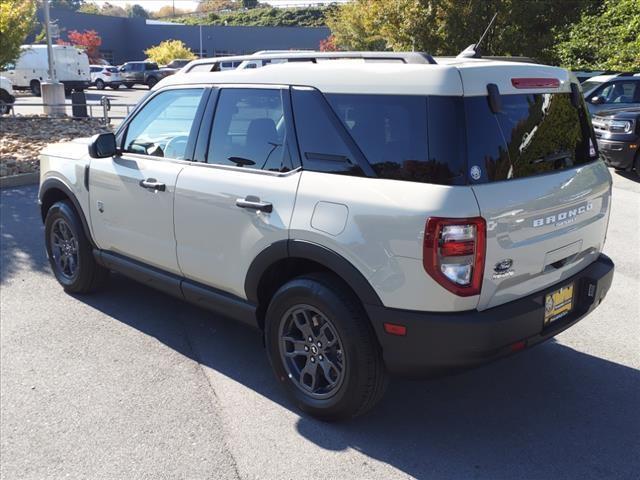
point(151, 82)
point(100, 84)
point(322, 348)
point(70, 252)
point(128, 85)
point(115, 86)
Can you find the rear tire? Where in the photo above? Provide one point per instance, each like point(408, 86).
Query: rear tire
point(35, 88)
point(100, 84)
point(322, 348)
point(115, 87)
point(128, 85)
point(151, 82)
point(70, 252)
point(5, 102)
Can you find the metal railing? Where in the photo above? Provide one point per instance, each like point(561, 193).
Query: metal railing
point(103, 109)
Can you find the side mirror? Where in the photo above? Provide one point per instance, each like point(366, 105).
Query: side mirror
point(103, 145)
point(597, 100)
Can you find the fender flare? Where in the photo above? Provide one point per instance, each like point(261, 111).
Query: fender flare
point(56, 184)
point(305, 250)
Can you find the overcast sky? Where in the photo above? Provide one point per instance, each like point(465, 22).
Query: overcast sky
point(191, 4)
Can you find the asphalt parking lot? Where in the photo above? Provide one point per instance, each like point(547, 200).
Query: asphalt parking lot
point(129, 383)
point(27, 104)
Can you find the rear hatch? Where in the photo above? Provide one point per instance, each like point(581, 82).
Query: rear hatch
point(534, 171)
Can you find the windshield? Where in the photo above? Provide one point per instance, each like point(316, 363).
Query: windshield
point(590, 85)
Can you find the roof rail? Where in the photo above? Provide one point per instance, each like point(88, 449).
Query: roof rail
point(313, 56)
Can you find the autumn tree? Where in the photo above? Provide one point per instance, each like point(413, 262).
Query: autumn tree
point(328, 44)
point(168, 11)
point(16, 21)
point(169, 50)
point(89, 41)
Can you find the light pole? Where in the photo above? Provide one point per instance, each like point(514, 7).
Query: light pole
point(52, 91)
point(200, 40)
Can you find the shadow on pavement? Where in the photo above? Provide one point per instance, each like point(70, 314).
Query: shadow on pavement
point(634, 176)
point(21, 232)
point(551, 412)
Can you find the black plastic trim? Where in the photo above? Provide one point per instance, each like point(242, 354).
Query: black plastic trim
point(203, 296)
point(495, 103)
point(304, 250)
point(441, 342)
point(54, 183)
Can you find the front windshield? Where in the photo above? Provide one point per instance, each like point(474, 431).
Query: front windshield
point(590, 85)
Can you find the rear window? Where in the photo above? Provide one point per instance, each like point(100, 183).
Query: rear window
point(533, 134)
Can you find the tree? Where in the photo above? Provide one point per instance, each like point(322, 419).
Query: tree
point(169, 50)
point(328, 44)
point(217, 5)
point(250, 3)
point(91, 8)
point(167, 12)
point(112, 10)
point(66, 4)
point(16, 21)
point(136, 11)
point(446, 27)
point(89, 41)
point(608, 39)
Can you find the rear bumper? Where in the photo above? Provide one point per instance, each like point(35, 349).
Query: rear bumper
point(76, 83)
point(438, 342)
point(617, 154)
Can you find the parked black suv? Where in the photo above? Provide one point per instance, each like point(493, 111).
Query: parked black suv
point(145, 73)
point(618, 136)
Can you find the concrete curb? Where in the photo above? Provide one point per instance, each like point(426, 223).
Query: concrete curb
point(20, 180)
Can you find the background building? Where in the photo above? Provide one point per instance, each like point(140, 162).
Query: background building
point(125, 39)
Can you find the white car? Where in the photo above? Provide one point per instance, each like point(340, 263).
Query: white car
point(105, 76)
point(7, 97)
point(367, 219)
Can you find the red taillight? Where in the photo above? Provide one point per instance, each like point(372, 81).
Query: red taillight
point(107, 74)
point(453, 253)
point(535, 82)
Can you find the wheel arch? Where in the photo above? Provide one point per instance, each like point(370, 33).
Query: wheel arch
point(53, 190)
point(287, 259)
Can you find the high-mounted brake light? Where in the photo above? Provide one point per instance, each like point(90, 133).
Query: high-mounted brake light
point(454, 251)
point(535, 82)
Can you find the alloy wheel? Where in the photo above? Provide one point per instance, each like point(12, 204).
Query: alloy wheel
point(311, 351)
point(64, 249)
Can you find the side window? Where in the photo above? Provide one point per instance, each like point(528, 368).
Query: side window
point(321, 138)
point(162, 127)
point(249, 130)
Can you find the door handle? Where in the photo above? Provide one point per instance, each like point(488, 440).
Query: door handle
point(153, 184)
point(252, 202)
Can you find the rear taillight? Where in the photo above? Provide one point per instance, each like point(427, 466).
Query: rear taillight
point(453, 253)
point(107, 74)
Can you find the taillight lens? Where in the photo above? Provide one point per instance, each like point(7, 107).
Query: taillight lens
point(453, 253)
point(107, 74)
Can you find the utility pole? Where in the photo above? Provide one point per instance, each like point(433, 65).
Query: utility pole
point(52, 91)
point(47, 27)
point(200, 40)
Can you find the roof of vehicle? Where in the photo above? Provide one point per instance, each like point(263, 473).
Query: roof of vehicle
point(407, 57)
point(386, 78)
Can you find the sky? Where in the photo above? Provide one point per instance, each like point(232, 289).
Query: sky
point(191, 4)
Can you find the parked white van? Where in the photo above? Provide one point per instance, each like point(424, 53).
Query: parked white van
point(32, 68)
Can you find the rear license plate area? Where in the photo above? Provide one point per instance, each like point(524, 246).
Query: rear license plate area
point(558, 303)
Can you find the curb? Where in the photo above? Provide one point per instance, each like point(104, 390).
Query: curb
point(20, 180)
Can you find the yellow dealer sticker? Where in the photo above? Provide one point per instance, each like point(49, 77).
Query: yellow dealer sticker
point(557, 304)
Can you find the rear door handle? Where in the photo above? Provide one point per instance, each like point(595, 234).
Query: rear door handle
point(153, 184)
point(252, 202)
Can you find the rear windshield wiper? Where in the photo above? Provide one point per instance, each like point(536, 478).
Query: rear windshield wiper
point(552, 157)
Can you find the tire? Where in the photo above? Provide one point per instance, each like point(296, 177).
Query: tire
point(65, 238)
point(128, 85)
point(151, 81)
point(350, 377)
point(5, 102)
point(35, 88)
point(100, 84)
point(636, 164)
point(115, 87)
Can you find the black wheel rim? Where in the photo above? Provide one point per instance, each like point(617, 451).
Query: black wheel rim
point(64, 249)
point(311, 351)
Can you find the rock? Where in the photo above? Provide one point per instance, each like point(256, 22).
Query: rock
point(22, 139)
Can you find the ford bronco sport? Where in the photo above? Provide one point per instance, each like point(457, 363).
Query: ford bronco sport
point(368, 219)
